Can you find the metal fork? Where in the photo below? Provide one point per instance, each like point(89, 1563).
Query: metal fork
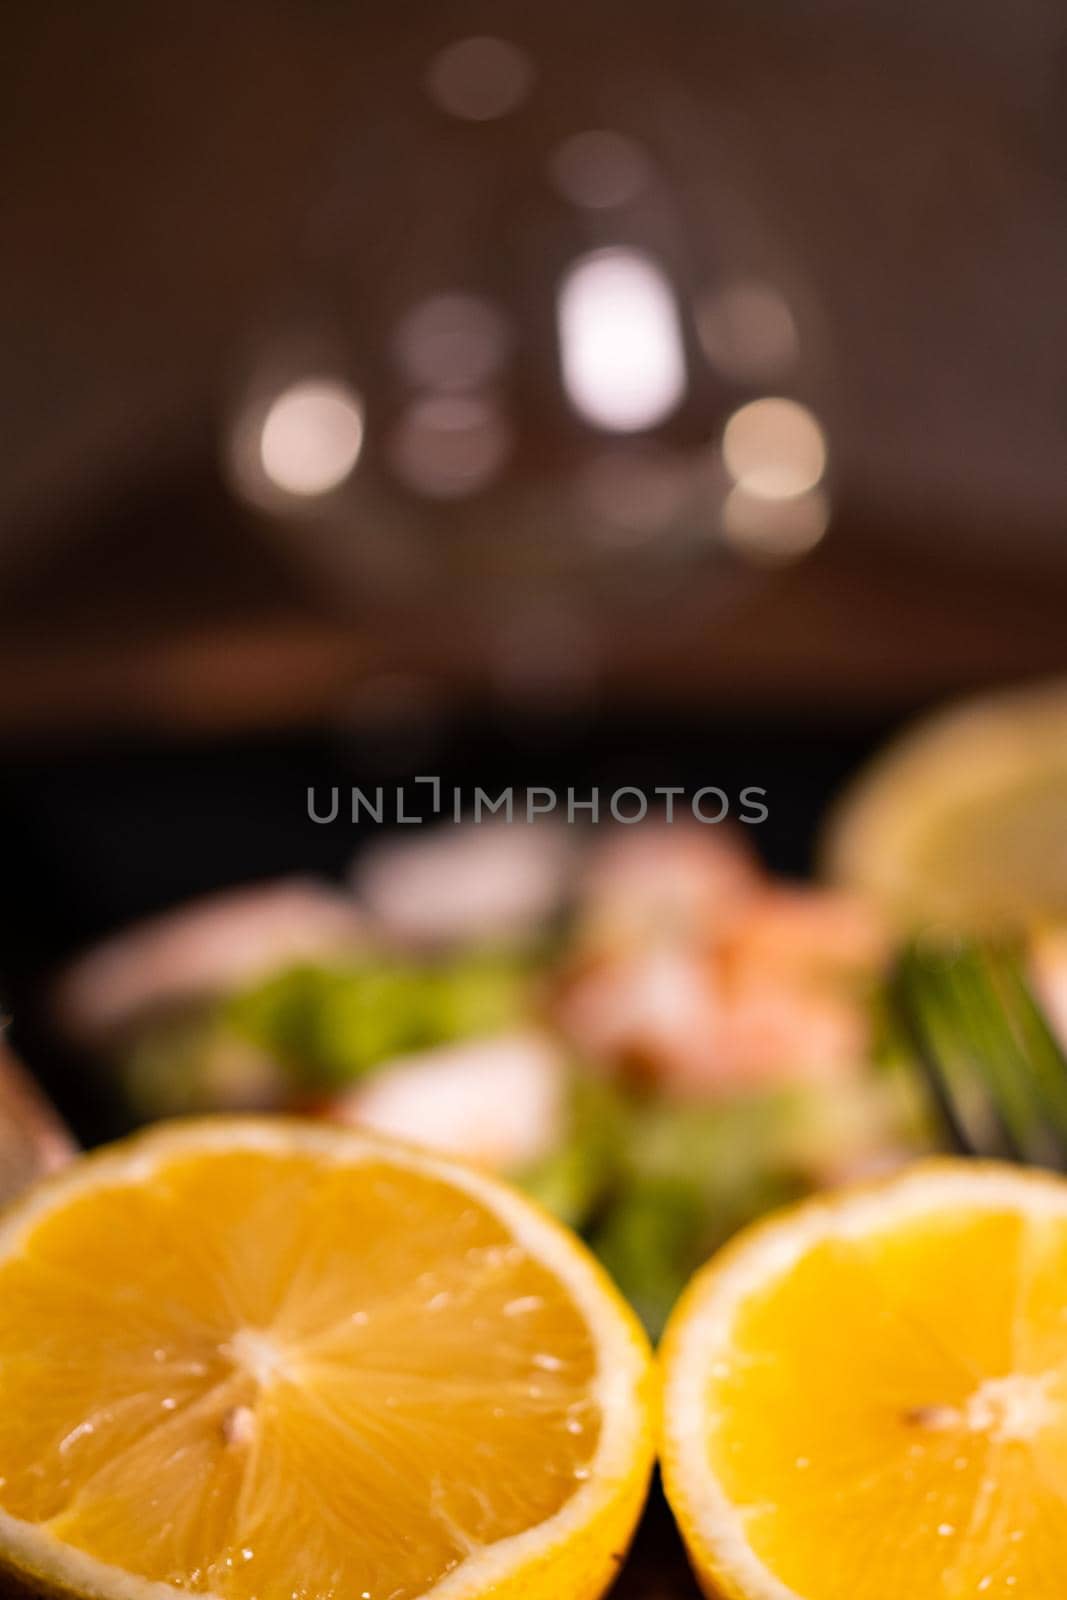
point(994, 1069)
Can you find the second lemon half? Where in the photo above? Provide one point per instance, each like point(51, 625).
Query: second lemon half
point(866, 1397)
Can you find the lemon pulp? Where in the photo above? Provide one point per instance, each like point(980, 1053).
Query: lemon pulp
point(883, 1409)
point(267, 1375)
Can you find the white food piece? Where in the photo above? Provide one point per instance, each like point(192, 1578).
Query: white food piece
point(499, 1103)
point(468, 883)
point(205, 948)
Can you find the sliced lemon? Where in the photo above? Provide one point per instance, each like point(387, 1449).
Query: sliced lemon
point(964, 819)
point(255, 1358)
point(865, 1397)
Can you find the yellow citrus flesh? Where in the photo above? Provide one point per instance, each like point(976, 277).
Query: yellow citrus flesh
point(263, 1359)
point(964, 819)
point(867, 1396)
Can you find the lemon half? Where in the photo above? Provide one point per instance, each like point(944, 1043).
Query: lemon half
point(963, 820)
point(865, 1398)
point(267, 1360)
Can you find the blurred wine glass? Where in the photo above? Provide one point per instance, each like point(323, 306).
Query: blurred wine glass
point(541, 347)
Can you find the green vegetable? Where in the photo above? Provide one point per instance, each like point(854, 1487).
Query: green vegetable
point(994, 1069)
point(331, 1026)
point(574, 1179)
point(311, 1030)
point(691, 1176)
point(651, 1239)
point(196, 1063)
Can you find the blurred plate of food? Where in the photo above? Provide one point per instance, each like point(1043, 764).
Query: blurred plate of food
point(639, 1025)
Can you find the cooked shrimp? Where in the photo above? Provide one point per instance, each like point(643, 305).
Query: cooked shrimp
point(653, 1012)
point(664, 880)
point(207, 947)
point(794, 929)
point(731, 985)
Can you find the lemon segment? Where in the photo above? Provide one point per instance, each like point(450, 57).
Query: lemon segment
point(963, 819)
point(867, 1396)
point(271, 1361)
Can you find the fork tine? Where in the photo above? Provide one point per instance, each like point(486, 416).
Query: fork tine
point(908, 1006)
point(994, 1069)
point(1038, 1046)
point(985, 1030)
